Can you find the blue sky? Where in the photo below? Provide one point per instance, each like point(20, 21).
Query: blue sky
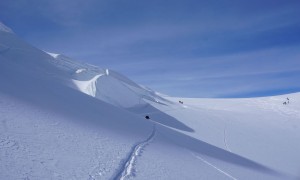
point(189, 48)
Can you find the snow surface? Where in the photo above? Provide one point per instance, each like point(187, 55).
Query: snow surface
point(54, 55)
point(62, 119)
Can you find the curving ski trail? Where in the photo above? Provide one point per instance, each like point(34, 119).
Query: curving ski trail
point(127, 168)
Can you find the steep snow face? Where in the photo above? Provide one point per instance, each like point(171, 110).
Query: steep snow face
point(17, 54)
point(5, 28)
point(88, 87)
point(105, 84)
point(53, 54)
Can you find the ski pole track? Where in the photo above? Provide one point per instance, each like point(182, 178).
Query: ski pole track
point(127, 168)
point(215, 167)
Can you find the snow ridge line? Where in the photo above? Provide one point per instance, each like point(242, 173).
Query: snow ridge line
point(127, 168)
point(215, 167)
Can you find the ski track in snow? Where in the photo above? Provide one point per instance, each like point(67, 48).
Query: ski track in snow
point(127, 169)
point(215, 167)
point(225, 138)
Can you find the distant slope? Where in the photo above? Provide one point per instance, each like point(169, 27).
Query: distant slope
point(261, 129)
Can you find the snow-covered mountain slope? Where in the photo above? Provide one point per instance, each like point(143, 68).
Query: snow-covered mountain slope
point(51, 131)
point(62, 119)
point(104, 84)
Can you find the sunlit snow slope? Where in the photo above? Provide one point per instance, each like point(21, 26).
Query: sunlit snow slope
point(104, 84)
point(62, 119)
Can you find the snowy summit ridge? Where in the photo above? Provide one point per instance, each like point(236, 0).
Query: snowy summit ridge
point(5, 28)
point(104, 84)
